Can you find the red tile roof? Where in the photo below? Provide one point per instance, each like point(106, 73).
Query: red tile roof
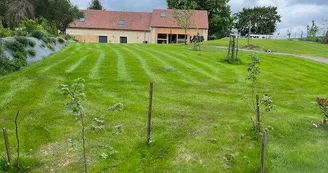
point(101, 19)
point(136, 21)
point(200, 19)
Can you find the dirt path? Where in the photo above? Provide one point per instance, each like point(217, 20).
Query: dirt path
point(313, 58)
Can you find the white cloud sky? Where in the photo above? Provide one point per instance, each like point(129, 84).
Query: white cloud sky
point(296, 14)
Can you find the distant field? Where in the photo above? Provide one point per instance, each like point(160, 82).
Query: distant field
point(202, 110)
point(287, 46)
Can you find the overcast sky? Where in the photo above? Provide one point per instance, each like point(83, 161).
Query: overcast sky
point(296, 14)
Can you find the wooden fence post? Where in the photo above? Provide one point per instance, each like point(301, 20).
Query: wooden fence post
point(149, 112)
point(5, 135)
point(258, 124)
point(264, 142)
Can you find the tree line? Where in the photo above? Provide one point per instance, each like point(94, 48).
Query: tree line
point(59, 13)
point(262, 20)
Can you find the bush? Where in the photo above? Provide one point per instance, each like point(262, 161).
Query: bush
point(45, 39)
point(15, 46)
point(4, 32)
point(19, 60)
point(51, 40)
point(37, 34)
point(31, 52)
point(43, 45)
point(31, 25)
point(61, 40)
point(51, 47)
point(69, 37)
point(23, 40)
point(20, 32)
point(31, 42)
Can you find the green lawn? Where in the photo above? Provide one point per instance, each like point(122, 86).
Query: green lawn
point(286, 46)
point(201, 119)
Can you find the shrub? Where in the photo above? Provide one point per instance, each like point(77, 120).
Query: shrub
point(61, 40)
point(31, 52)
point(20, 32)
point(23, 40)
point(51, 47)
point(45, 39)
point(31, 42)
point(19, 60)
point(43, 45)
point(51, 40)
point(31, 25)
point(4, 32)
point(37, 34)
point(15, 46)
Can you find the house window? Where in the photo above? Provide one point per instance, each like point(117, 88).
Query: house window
point(163, 14)
point(82, 19)
point(121, 22)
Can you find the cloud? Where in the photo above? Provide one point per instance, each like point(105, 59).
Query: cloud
point(296, 14)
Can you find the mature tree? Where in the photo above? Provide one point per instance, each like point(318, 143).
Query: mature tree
point(95, 5)
point(18, 10)
point(183, 16)
point(263, 20)
point(59, 13)
point(219, 14)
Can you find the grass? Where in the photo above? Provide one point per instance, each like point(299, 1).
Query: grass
point(201, 119)
point(285, 46)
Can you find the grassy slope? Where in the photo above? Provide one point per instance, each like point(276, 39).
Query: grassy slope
point(286, 46)
point(197, 99)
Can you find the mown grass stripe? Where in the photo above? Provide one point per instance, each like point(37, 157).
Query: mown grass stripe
point(185, 77)
point(94, 74)
point(15, 87)
point(187, 64)
point(122, 73)
point(78, 63)
point(144, 65)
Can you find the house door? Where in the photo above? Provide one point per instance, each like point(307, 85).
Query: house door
point(103, 39)
point(123, 39)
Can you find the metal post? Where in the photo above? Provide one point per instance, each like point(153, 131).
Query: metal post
point(264, 142)
point(149, 112)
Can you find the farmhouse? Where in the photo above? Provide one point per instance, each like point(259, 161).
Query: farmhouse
point(158, 26)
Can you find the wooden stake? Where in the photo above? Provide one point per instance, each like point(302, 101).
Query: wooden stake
point(229, 47)
point(258, 125)
point(264, 142)
point(237, 51)
point(149, 112)
point(5, 135)
point(249, 32)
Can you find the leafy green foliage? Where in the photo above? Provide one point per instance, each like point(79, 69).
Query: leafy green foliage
point(15, 46)
point(23, 40)
point(116, 107)
point(51, 46)
point(20, 32)
point(31, 42)
point(31, 52)
point(95, 5)
point(323, 105)
point(253, 69)
point(37, 34)
point(76, 95)
point(4, 32)
point(61, 40)
point(219, 14)
point(31, 25)
point(267, 103)
point(263, 20)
